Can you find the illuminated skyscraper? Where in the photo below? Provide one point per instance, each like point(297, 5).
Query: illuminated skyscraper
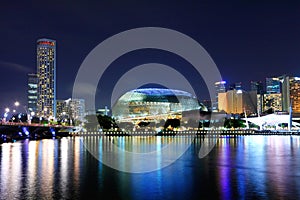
point(270, 101)
point(74, 109)
point(238, 101)
point(272, 86)
point(290, 93)
point(32, 92)
point(46, 72)
point(295, 94)
point(220, 88)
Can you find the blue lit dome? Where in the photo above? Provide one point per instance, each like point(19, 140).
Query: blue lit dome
point(154, 102)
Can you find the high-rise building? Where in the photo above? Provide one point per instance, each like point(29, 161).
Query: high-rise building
point(74, 109)
point(32, 93)
point(272, 85)
point(46, 72)
point(270, 102)
point(295, 94)
point(220, 88)
point(61, 108)
point(290, 93)
point(238, 101)
point(257, 86)
point(285, 92)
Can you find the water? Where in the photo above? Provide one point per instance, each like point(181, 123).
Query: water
point(245, 167)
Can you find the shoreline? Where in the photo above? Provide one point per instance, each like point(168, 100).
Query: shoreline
point(207, 133)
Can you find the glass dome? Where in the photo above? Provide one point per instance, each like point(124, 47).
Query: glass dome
point(154, 102)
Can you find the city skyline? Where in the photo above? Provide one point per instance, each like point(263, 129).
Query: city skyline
point(239, 36)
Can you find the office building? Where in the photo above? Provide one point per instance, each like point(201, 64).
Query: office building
point(220, 88)
point(290, 93)
point(73, 109)
point(46, 73)
point(272, 101)
point(32, 95)
point(272, 85)
point(238, 101)
point(295, 94)
point(61, 108)
point(76, 109)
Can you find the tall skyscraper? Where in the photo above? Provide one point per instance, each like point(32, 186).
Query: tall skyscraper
point(272, 86)
point(46, 72)
point(295, 94)
point(290, 93)
point(238, 101)
point(32, 92)
point(285, 91)
point(74, 109)
point(220, 88)
point(272, 101)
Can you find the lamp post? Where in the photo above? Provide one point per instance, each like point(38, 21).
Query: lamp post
point(6, 114)
point(17, 104)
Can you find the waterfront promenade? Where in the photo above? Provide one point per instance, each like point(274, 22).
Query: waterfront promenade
point(12, 131)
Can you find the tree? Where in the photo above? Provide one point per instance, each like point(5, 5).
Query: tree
point(171, 124)
point(106, 122)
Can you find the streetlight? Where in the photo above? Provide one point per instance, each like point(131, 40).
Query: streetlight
point(6, 114)
point(17, 103)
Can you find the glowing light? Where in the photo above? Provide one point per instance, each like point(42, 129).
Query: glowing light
point(25, 130)
point(17, 103)
point(297, 78)
point(52, 131)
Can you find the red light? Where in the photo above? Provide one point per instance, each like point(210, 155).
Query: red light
point(46, 43)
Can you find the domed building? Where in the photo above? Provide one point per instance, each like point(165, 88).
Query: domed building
point(154, 104)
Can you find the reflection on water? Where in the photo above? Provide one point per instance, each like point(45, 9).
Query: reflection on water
point(253, 167)
point(137, 154)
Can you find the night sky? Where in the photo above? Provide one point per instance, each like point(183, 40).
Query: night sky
point(247, 39)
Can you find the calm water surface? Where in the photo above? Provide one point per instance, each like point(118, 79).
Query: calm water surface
point(244, 167)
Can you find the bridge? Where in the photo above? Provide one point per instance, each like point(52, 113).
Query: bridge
point(10, 131)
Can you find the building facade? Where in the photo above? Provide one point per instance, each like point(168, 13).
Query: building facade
point(272, 101)
point(46, 73)
point(61, 108)
point(32, 92)
point(238, 101)
point(272, 85)
point(220, 88)
point(290, 93)
point(73, 109)
point(154, 104)
point(295, 94)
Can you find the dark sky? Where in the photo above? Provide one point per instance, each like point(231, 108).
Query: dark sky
point(247, 39)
